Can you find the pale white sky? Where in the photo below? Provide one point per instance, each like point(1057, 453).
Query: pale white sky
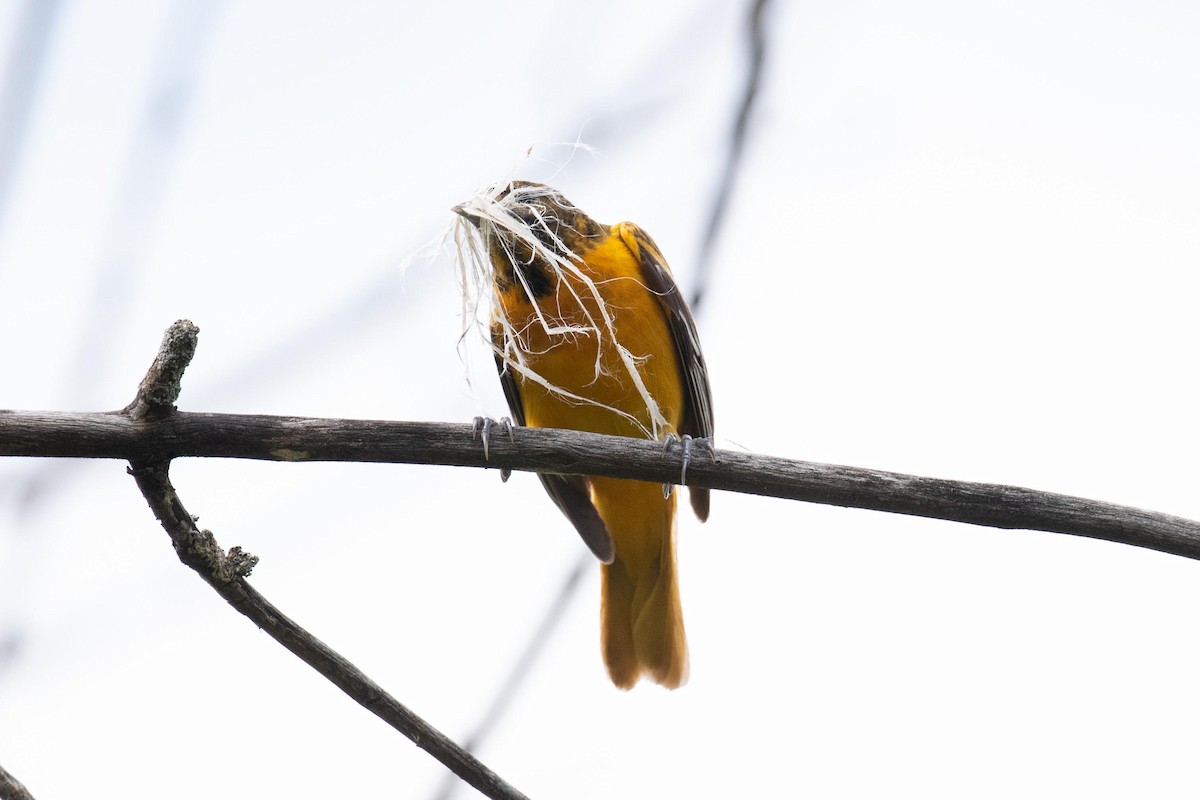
point(963, 246)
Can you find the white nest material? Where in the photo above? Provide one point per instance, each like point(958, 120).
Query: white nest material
point(474, 265)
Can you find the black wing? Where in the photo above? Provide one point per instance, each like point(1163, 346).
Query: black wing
point(697, 394)
point(569, 492)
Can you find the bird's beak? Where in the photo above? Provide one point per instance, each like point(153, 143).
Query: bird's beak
point(462, 211)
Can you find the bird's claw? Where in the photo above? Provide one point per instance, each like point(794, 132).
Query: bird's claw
point(685, 443)
point(481, 428)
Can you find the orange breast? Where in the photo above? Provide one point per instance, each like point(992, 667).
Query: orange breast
point(585, 362)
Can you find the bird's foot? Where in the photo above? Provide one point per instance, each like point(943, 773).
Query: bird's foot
point(686, 445)
point(482, 429)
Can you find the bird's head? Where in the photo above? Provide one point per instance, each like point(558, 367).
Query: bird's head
point(532, 229)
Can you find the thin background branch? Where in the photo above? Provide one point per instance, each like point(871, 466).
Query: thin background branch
point(726, 187)
point(22, 79)
point(524, 664)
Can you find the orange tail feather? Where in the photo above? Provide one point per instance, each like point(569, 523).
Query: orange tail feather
point(641, 620)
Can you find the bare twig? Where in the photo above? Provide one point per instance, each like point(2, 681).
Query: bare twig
point(112, 435)
point(226, 571)
point(11, 788)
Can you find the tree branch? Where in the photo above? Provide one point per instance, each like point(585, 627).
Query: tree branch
point(271, 438)
point(149, 433)
point(11, 788)
point(226, 573)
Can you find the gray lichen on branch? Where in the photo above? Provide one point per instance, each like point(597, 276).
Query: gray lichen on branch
point(160, 388)
point(196, 548)
point(155, 400)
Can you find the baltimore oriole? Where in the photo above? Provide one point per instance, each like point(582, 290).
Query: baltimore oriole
point(591, 333)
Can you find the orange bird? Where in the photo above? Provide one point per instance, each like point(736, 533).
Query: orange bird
point(591, 333)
